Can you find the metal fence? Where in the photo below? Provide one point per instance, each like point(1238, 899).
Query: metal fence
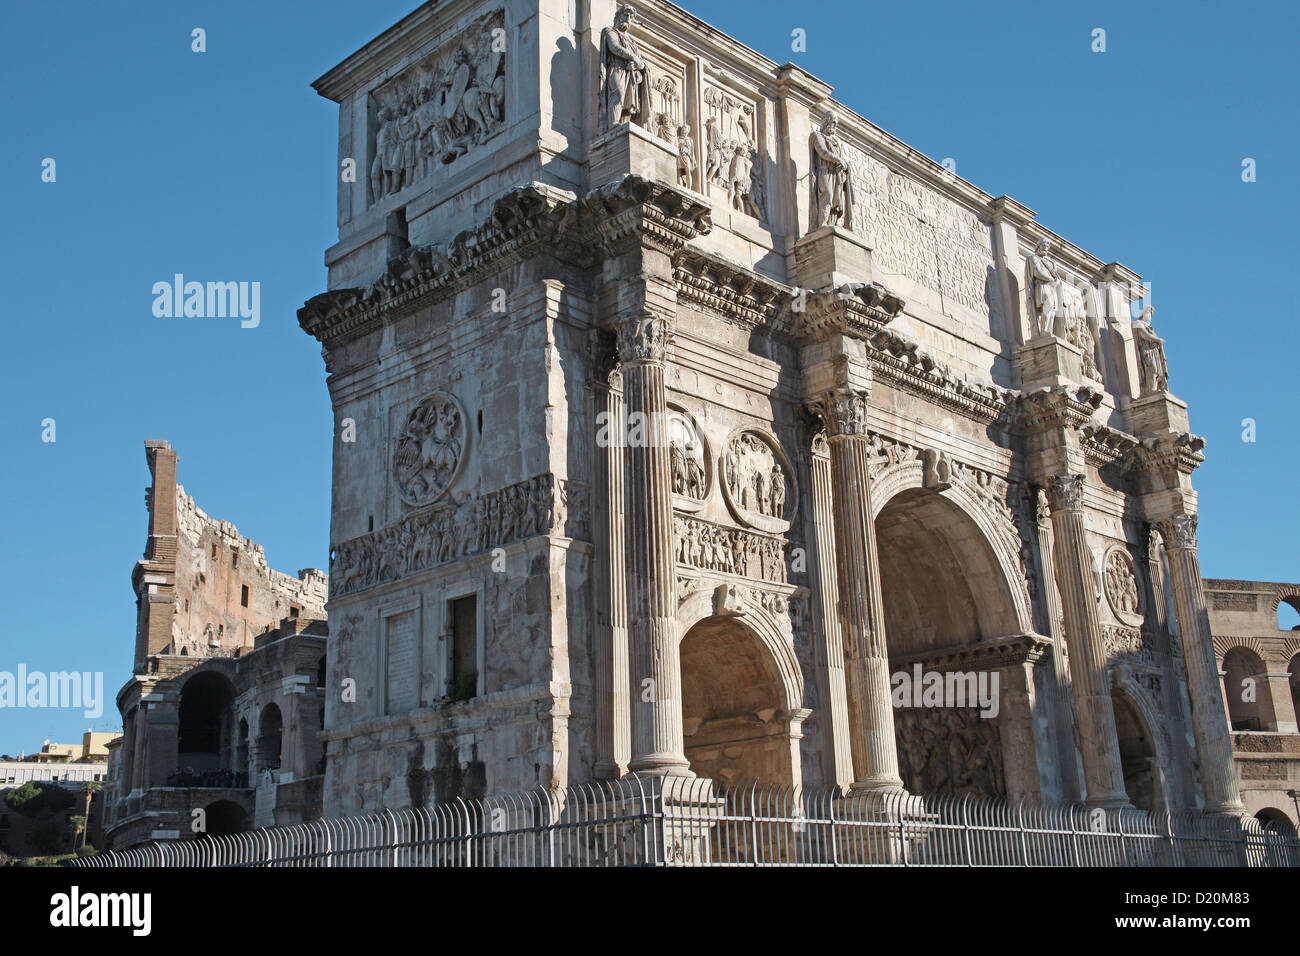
point(650, 822)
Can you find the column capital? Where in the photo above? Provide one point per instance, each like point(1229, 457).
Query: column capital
point(1065, 492)
point(645, 338)
point(1179, 531)
point(843, 409)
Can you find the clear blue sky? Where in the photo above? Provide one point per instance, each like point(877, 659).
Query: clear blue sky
point(221, 166)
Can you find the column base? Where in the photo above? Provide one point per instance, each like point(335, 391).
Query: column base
point(661, 765)
point(1232, 809)
point(1109, 801)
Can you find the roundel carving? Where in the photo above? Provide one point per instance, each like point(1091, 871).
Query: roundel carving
point(689, 460)
point(758, 482)
point(430, 449)
point(1120, 584)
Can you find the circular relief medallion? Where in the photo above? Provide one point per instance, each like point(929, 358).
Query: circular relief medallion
point(430, 450)
point(689, 461)
point(1120, 583)
point(758, 482)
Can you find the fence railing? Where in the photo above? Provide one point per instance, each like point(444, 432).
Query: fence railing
point(650, 822)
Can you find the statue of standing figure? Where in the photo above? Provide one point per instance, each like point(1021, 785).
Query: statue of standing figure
point(1151, 354)
point(624, 76)
point(832, 179)
point(1044, 291)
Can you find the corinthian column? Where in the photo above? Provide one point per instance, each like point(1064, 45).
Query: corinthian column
point(1103, 772)
point(862, 617)
point(657, 741)
point(1213, 747)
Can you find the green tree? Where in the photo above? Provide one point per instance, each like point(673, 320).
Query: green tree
point(37, 795)
point(88, 790)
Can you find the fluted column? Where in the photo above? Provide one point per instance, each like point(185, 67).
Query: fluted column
point(862, 617)
point(1103, 771)
point(657, 741)
point(1213, 744)
point(1063, 713)
point(611, 719)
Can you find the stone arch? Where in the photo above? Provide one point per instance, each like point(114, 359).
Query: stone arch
point(1143, 736)
point(702, 604)
point(1288, 594)
point(1007, 587)
point(1246, 688)
point(226, 817)
point(742, 692)
point(204, 721)
point(270, 738)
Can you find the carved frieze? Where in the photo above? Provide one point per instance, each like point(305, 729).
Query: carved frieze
point(949, 750)
point(1127, 644)
point(430, 450)
point(733, 162)
point(436, 110)
point(712, 547)
point(427, 539)
point(757, 481)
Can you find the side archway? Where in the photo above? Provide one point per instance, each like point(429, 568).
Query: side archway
point(742, 693)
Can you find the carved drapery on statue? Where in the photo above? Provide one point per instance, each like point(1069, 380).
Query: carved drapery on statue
point(1057, 307)
point(832, 180)
point(439, 108)
point(625, 82)
point(1150, 353)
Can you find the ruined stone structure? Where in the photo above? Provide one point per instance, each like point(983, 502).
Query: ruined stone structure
point(678, 407)
point(1260, 666)
point(224, 710)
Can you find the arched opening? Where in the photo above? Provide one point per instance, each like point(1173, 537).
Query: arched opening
point(241, 752)
point(943, 589)
point(1288, 614)
point(203, 737)
point(226, 817)
point(269, 738)
point(1294, 670)
point(734, 719)
point(1245, 687)
point(1271, 818)
point(1137, 753)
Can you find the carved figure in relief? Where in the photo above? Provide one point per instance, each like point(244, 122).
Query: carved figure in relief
point(716, 157)
point(624, 77)
point(381, 174)
point(740, 176)
point(1151, 354)
point(685, 157)
point(832, 179)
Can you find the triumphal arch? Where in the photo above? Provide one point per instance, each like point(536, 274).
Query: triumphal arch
point(684, 418)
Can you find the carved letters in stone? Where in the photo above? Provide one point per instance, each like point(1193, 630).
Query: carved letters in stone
point(756, 481)
point(430, 450)
point(439, 108)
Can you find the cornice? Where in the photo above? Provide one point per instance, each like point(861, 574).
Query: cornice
point(898, 360)
point(731, 291)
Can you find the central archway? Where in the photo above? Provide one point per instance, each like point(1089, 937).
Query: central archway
point(945, 587)
point(742, 691)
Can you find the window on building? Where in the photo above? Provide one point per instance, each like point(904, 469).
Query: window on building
point(243, 595)
point(293, 610)
point(464, 648)
point(214, 549)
